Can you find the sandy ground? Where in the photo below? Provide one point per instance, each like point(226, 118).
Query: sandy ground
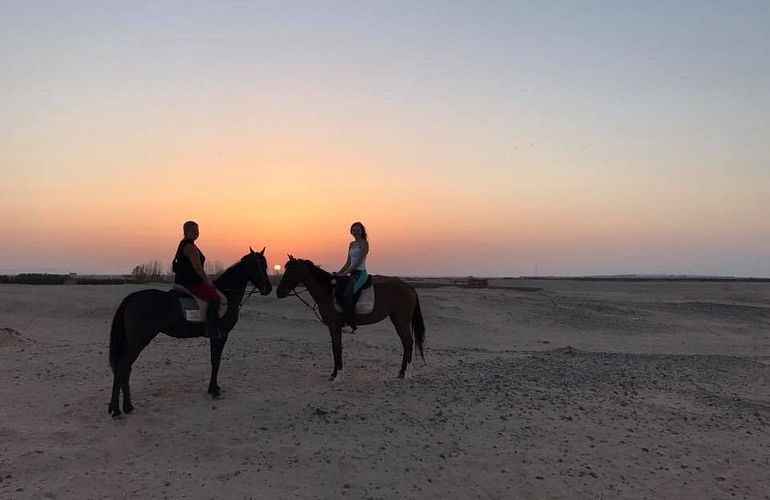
point(580, 390)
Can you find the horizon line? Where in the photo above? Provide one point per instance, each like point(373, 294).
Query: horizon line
point(595, 277)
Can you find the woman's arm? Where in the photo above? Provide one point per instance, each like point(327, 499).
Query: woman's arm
point(192, 253)
point(346, 266)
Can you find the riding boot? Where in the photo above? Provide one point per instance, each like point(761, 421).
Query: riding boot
point(349, 313)
point(212, 321)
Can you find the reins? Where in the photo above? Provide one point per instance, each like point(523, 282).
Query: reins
point(251, 292)
point(248, 294)
point(313, 308)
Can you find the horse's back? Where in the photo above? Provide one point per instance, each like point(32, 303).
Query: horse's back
point(159, 311)
point(378, 280)
point(148, 304)
point(148, 296)
point(391, 285)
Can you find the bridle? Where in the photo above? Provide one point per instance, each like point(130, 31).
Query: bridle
point(314, 308)
point(254, 288)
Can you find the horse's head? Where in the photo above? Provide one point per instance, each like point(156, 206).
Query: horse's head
point(292, 276)
point(256, 270)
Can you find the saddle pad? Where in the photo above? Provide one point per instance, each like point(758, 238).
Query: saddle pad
point(365, 303)
point(192, 312)
point(201, 305)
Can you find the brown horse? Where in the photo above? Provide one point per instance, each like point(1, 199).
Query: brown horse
point(393, 298)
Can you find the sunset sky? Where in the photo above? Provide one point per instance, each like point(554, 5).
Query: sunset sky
point(485, 138)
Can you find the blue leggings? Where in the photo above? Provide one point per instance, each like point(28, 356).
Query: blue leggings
point(357, 280)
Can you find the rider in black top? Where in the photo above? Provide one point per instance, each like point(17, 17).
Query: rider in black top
point(188, 269)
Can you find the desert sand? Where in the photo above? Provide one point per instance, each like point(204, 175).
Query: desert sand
point(579, 390)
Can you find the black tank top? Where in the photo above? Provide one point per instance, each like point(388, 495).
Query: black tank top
point(184, 271)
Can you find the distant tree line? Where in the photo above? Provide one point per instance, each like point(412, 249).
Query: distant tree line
point(63, 279)
point(152, 271)
point(155, 271)
point(35, 278)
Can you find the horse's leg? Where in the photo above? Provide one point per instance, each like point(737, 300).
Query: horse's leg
point(405, 334)
point(336, 333)
point(127, 406)
point(217, 346)
point(114, 408)
point(123, 372)
point(123, 366)
point(120, 382)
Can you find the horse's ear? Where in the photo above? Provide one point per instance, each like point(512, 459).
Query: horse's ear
point(251, 250)
point(291, 257)
point(263, 251)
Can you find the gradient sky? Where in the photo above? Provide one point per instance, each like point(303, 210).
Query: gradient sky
point(485, 138)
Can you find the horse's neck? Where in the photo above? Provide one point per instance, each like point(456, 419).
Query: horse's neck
point(232, 283)
point(320, 294)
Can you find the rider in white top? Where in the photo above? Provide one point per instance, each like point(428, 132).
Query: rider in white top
point(356, 266)
point(353, 252)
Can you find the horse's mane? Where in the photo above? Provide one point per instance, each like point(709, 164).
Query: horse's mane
point(321, 276)
point(226, 277)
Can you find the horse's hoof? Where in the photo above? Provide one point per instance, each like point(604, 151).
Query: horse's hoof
point(113, 412)
point(336, 376)
point(216, 393)
point(128, 408)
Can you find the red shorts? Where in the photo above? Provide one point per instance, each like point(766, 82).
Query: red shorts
point(205, 291)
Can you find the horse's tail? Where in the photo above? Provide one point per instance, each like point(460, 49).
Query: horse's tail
point(418, 325)
point(118, 335)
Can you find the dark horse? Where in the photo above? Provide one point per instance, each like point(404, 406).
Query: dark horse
point(143, 314)
point(393, 298)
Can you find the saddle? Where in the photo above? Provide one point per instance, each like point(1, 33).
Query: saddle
point(364, 299)
point(194, 308)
